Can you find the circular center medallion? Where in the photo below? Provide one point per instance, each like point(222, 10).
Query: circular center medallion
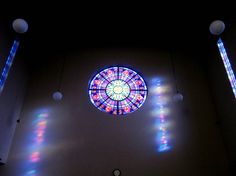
point(118, 90)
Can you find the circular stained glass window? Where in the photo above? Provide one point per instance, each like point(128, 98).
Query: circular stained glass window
point(117, 90)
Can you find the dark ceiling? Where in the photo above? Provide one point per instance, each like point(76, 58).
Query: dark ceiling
point(62, 28)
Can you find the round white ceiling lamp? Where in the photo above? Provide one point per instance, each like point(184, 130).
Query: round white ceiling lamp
point(116, 172)
point(217, 27)
point(57, 96)
point(178, 97)
point(20, 25)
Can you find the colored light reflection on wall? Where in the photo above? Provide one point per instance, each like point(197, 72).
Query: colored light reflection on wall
point(160, 112)
point(227, 65)
point(8, 64)
point(39, 126)
point(31, 173)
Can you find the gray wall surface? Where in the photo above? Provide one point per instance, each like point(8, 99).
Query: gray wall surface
point(11, 102)
point(79, 139)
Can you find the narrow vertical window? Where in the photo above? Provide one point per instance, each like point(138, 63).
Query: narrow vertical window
point(8, 64)
point(227, 65)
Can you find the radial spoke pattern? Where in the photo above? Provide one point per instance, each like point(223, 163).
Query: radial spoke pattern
point(117, 90)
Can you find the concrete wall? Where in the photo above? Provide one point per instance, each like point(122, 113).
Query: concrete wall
point(81, 140)
point(11, 101)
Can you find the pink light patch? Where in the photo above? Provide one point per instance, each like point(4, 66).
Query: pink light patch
point(39, 139)
point(162, 116)
point(34, 157)
point(41, 127)
point(96, 97)
point(126, 72)
point(138, 82)
point(139, 97)
point(42, 123)
point(127, 109)
point(108, 109)
point(109, 72)
point(97, 82)
point(40, 132)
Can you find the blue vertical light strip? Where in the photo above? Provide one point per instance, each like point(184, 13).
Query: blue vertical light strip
point(163, 143)
point(227, 65)
point(8, 64)
point(160, 113)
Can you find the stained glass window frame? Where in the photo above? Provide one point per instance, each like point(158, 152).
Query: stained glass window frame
point(137, 95)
